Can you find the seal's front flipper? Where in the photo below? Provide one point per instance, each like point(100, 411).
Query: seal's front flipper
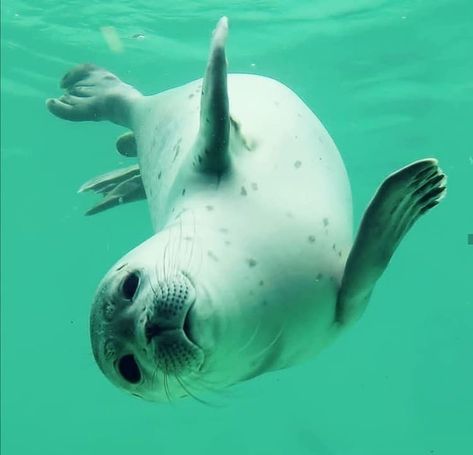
point(93, 93)
point(117, 187)
point(401, 199)
point(211, 153)
point(126, 144)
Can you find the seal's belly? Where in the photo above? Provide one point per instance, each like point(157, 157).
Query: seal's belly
point(278, 227)
point(283, 156)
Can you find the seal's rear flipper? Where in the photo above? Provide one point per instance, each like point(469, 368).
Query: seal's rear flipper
point(211, 153)
point(401, 199)
point(117, 187)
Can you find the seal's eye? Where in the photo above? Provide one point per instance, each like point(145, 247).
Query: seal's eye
point(130, 285)
point(129, 369)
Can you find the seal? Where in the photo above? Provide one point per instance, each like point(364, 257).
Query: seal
point(252, 267)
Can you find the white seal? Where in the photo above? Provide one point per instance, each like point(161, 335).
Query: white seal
point(252, 267)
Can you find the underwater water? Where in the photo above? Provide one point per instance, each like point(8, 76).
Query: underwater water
point(391, 80)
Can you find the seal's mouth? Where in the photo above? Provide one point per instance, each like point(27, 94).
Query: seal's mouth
point(152, 330)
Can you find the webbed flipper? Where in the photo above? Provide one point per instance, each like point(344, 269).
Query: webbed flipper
point(117, 187)
point(92, 93)
point(399, 202)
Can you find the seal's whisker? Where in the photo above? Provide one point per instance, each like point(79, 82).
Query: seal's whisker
point(190, 248)
point(188, 391)
point(166, 385)
point(251, 339)
point(169, 253)
point(165, 259)
point(154, 374)
point(217, 393)
point(194, 375)
point(177, 255)
point(150, 281)
point(270, 345)
point(206, 386)
point(198, 264)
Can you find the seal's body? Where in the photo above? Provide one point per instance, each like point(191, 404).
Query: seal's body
point(278, 223)
point(252, 266)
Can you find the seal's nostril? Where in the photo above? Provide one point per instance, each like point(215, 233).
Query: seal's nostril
point(129, 369)
point(152, 330)
point(130, 286)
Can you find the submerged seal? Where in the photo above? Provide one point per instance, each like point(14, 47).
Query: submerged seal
point(252, 267)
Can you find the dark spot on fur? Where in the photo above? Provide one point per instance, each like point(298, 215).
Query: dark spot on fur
point(188, 238)
point(191, 96)
point(227, 242)
point(199, 158)
point(209, 207)
point(235, 124)
point(261, 283)
point(178, 149)
point(254, 186)
point(183, 191)
point(224, 230)
point(325, 221)
point(211, 255)
point(289, 214)
point(318, 277)
point(334, 247)
point(159, 175)
point(110, 77)
point(251, 262)
point(179, 214)
point(340, 254)
point(297, 164)
point(243, 191)
point(311, 238)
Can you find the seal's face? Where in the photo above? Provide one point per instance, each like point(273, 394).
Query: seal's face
point(142, 330)
point(167, 323)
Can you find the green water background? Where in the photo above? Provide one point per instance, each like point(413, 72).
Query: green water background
point(391, 80)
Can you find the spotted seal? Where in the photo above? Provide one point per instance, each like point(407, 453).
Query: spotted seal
point(252, 267)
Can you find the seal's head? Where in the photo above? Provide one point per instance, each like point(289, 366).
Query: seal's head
point(142, 329)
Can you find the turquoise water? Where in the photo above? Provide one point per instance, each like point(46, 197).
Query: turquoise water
point(391, 80)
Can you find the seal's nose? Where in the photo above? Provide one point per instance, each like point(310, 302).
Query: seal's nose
point(152, 330)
